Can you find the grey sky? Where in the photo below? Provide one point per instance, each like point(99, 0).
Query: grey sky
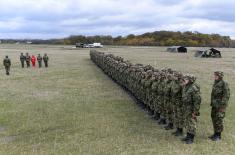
point(61, 18)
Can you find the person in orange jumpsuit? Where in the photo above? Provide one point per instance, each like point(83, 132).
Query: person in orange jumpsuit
point(33, 60)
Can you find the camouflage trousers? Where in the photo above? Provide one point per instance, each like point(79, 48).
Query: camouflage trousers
point(178, 115)
point(28, 63)
point(156, 103)
point(169, 112)
point(7, 68)
point(217, 119)
point(166, 110)
point(147, 97)
point(161, 105)
point(190, 123)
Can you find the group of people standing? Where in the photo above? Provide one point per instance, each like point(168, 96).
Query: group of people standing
point(169, 96)
point(32, 59)
point(28, 59)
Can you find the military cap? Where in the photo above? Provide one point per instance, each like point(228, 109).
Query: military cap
point(168, 75)
point(190, 77)
point(139, 64)
point(149, 72)
point(156, 70)
point(178, 74)
point(219, 73)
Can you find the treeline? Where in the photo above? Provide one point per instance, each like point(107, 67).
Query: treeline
point(157, 38)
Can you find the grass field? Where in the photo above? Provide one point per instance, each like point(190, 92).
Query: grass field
point(72, 108)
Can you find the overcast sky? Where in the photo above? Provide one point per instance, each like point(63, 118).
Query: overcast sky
point(61, 18)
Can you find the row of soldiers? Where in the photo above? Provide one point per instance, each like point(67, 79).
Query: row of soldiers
point(27, 58)
point(169, 96)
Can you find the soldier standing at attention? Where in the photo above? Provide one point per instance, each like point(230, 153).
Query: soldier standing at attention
point(219, 101)
point(7, 64)
point(191, 99)
point(177, 101)
point(22, 59)
point(39, 58)
point(27, 59)
point(45, 59)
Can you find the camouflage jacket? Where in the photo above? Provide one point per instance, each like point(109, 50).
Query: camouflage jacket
point(7, 62)
point(154, 87)
point(27, 58)
point(220, 94)
point(148, 83)
point(161, 88)
point(39, 58)
point(167, 91)
point(45, 58)
point(191, 98)
point(176, 90)
point(22, 58)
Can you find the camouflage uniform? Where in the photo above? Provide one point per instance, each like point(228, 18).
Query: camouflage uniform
point(191, 99)
point(219, 101)
point(148, 84)
point(154, 95)
point(39, 59)
point(7, 64)
point(22, 60)
point(161, 89)
point(177, 104)
point(27, 59)
point(168, 107)
point(45, 59)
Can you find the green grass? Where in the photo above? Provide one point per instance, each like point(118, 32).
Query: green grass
point(72, 108)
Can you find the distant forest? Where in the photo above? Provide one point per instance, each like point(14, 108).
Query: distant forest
point(157, 38)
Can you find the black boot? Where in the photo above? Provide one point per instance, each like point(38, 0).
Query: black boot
point(216, 137)
point(169, 126)
point(151, 112)
point(178, 132)
point(212, 136)
point(186, 138)
point(162, 121)
point(190, 140)
point(157, 116)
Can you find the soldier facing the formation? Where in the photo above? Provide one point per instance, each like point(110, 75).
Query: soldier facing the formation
point(27, 59)
point(22, 59)
point(219, 101)
point(39, 59)
point(7, 64)
point(45, 60)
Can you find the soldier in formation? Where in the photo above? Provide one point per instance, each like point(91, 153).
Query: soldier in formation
point(7, 64)
point(168, 96)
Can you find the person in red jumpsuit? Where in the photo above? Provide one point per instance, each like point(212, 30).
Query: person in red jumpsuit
point(33, 60)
